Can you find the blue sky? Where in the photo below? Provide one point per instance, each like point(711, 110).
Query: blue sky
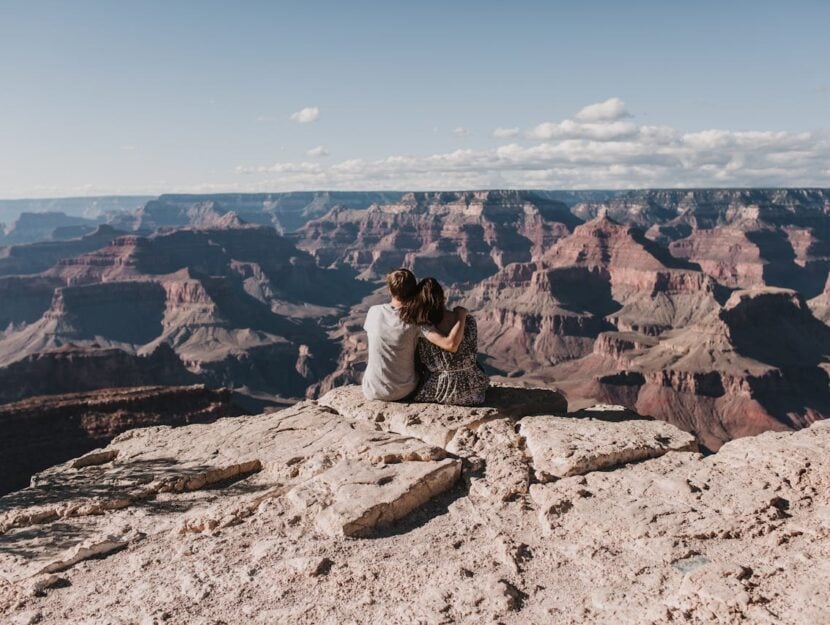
point(149, 97)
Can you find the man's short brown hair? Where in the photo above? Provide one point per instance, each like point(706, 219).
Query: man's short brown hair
point(402, 283)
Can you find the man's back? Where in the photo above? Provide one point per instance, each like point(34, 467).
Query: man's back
point(390, 374)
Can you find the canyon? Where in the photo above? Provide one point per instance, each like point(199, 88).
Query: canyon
point(183, 426)
point(44, 430)
point(704, 308)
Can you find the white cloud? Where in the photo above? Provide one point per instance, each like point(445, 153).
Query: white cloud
point(317, 152)
point(306, 115)
point(460, 131)
point(608, 153)
point(569, 129)
point(127, 148)
point(610, 110)
point(505, 133)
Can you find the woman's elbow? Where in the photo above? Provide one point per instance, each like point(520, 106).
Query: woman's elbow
point(453, 347)
point(447, 346)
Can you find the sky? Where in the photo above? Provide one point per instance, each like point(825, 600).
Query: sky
point(109, 97)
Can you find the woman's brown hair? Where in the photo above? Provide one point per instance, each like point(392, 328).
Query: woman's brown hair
point(427, 307)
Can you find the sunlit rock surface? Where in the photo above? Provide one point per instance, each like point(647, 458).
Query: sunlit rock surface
point(319, 514)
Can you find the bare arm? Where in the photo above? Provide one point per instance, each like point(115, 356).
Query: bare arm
point(452, 341)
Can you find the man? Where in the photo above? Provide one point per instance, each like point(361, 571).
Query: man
point(390, 374)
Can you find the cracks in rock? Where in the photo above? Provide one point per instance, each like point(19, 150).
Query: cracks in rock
point(234, 516)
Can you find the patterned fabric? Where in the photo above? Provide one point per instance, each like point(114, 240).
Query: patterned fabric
point(449, 378)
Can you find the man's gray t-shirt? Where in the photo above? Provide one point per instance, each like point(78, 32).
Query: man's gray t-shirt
point(390, 374)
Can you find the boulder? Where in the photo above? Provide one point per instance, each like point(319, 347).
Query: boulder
point(355, 498)
point(565, 446)
point(437, 424)
point(348, 475)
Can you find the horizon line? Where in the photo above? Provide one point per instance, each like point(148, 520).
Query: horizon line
point(404, 191)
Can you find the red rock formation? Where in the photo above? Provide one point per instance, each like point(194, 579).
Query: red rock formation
point(681, 209)
point(109, 314)
point(23, 299)
point(284, 211)
point(751, 255)
point(604, 276)
point(41, 431)
point(41, 226)
point(758, 364)
point(726, 254)
point(820, 304)
point(601, 309)
point(457, 237)
point(84, 368)
point(36, 257)
point(239, 305)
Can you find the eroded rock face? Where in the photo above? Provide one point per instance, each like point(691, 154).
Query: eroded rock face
point(41, 431)
point(820, 304)
point(758, 363)
point(355, 498)
point(285, 211)
point(457, 236)
point(36, 257)
point(239, 304)
point(604, 276)
point(556, 300)
point(347, 522)
point(712, 208)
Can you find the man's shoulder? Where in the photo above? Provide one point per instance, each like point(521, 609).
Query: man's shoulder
point(378, 310)
point(377, 315)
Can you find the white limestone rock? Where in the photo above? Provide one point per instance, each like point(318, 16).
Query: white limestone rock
point(564, 446)
point(437, 424)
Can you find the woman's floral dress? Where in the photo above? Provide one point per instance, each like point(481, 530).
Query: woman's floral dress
point(448, 378)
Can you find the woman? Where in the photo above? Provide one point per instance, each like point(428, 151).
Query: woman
point(448, 377)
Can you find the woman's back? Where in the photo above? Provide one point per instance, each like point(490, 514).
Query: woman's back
point(452, 378)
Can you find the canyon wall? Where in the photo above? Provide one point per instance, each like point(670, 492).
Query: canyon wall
point(607, 295)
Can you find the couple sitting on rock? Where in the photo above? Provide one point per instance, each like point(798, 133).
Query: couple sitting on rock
point(415, 333)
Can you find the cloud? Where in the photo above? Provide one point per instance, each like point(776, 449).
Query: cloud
point(569, 129)
point(611, 153)
point(505, 133)
point(610, 110)
point(306, 115)
point(127, 148)
point(317, 152)
point(460, 131)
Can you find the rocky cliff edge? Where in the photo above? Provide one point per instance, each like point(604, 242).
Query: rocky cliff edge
point(344, 510)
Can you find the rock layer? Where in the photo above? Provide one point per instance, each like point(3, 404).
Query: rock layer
point(457, 237)
point(604, 309)
point(41, 431)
